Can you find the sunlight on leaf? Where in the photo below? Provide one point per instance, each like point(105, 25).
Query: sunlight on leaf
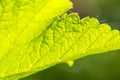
point(34, 38)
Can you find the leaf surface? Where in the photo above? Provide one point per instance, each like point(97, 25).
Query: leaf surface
point(21, 21)
point(36, 40)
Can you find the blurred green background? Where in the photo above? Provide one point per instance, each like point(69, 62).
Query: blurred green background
point(94, 67)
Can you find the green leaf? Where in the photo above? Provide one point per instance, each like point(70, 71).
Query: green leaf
point(70, 38)
point(21, 21)
point(33, 38)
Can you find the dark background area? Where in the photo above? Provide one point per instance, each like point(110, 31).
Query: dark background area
point(94, 67)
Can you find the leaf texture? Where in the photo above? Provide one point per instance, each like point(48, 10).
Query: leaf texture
point(35, 39)
point(20, 22)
